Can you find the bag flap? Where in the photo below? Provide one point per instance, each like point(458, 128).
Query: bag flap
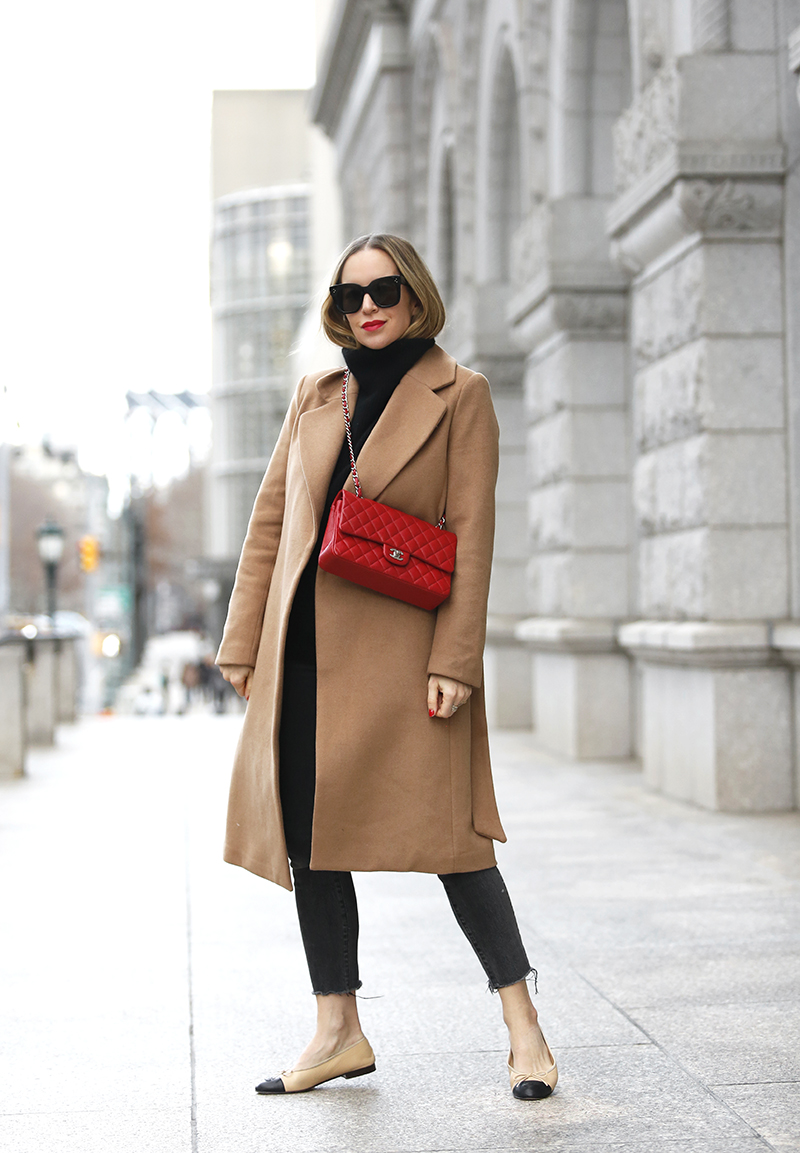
point(376, 522)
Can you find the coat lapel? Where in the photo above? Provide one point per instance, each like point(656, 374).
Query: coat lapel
point(413, 412)
point(320, 434)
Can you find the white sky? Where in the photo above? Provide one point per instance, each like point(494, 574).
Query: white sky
point(104, 199)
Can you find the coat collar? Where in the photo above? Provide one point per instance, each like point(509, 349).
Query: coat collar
point(435, 369)
point(413, 412)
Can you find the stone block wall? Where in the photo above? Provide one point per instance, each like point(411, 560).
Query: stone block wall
point(639, 329)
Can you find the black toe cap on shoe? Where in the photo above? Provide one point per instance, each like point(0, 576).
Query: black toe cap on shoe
point(531, 1090)
point(271, 1085)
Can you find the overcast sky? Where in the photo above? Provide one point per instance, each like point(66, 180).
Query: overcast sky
point(104, 198)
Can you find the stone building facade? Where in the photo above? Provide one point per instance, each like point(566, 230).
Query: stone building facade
point(608, 194)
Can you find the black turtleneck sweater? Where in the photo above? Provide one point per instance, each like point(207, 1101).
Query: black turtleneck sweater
point(378, 372)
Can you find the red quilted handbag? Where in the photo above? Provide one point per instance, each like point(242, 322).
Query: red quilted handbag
point(384, 549)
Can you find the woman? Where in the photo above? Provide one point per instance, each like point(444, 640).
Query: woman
point(364, 746)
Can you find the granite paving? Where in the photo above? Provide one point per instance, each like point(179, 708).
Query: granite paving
point(145, 986)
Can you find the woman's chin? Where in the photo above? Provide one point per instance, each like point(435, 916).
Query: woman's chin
point(374, 339)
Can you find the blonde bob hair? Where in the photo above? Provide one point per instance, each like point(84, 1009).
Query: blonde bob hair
point(429, 321)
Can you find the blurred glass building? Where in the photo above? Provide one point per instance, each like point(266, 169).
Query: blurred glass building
point(260, 288)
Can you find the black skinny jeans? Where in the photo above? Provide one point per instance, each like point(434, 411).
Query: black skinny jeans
point(326, 901)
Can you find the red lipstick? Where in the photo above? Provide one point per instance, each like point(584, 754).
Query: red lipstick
point(373, 325)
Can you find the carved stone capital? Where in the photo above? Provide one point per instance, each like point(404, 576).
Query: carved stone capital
point(477, 334)
point(731, 206)
point(578, 313)
point(713, 208)
point(560, 251)
point(669, 134)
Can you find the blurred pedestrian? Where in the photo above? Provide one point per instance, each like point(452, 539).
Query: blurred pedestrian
point(365, 743)
point(164, 683)
point(190, 679)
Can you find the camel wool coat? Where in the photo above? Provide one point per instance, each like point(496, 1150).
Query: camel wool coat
point(395, 789)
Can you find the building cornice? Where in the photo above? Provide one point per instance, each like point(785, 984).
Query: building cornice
point(350, 27)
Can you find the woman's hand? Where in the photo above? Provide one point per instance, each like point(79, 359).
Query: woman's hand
point(445, 695)
point(239, 676)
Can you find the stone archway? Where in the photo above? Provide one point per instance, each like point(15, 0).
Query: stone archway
point(501, 195)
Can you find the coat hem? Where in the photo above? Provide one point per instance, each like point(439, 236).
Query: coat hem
point(259, 867)
point(463, 862)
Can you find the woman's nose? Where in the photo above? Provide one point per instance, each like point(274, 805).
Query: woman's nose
point(367, 304)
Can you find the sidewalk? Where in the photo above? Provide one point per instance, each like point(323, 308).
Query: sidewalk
point(145, 987)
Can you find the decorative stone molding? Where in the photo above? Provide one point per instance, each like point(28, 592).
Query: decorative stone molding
point(568, 635)
point(723, 209)
point(578, 313)
point(731, 206)
point(560, 247)
point(647, 131)
point(694, 122)
point(707, 644)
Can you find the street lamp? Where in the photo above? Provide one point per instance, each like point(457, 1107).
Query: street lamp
point(50, 540)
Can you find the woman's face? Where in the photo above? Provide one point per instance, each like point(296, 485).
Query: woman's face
point(372, 326)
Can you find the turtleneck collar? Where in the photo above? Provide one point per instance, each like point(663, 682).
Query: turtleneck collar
point(373, 367)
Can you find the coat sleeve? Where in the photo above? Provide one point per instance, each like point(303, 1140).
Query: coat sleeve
point(472, 462)
point(242, 632)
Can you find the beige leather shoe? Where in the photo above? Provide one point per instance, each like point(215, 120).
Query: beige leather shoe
point(533, 1086)
point(354, 1061)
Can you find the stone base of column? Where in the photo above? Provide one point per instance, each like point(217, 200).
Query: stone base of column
point(507, 676)
point(12, 710)
point(582, 687)
point(67, 679)
point(41, 713)
point(716, 723)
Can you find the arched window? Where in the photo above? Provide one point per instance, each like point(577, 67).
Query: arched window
point(505, 175)
point(446, 239)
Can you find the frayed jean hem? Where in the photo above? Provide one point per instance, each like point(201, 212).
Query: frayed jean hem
point(531, 974)
point(336, 992)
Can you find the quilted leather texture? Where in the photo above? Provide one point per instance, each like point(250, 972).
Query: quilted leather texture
point(359, 531)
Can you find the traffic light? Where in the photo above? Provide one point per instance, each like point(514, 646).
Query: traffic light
point(89, 553)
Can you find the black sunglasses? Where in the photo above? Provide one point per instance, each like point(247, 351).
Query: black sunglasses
point(385, 292)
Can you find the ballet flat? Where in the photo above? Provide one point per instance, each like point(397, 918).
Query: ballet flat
point(354, 1061)
point(533, 1086)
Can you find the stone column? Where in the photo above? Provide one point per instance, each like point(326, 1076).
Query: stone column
point(698, 222)
point(12, 709)
point(477, 336)
point(570, 316)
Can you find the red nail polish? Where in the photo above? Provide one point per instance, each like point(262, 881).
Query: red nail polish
point(431, 712)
